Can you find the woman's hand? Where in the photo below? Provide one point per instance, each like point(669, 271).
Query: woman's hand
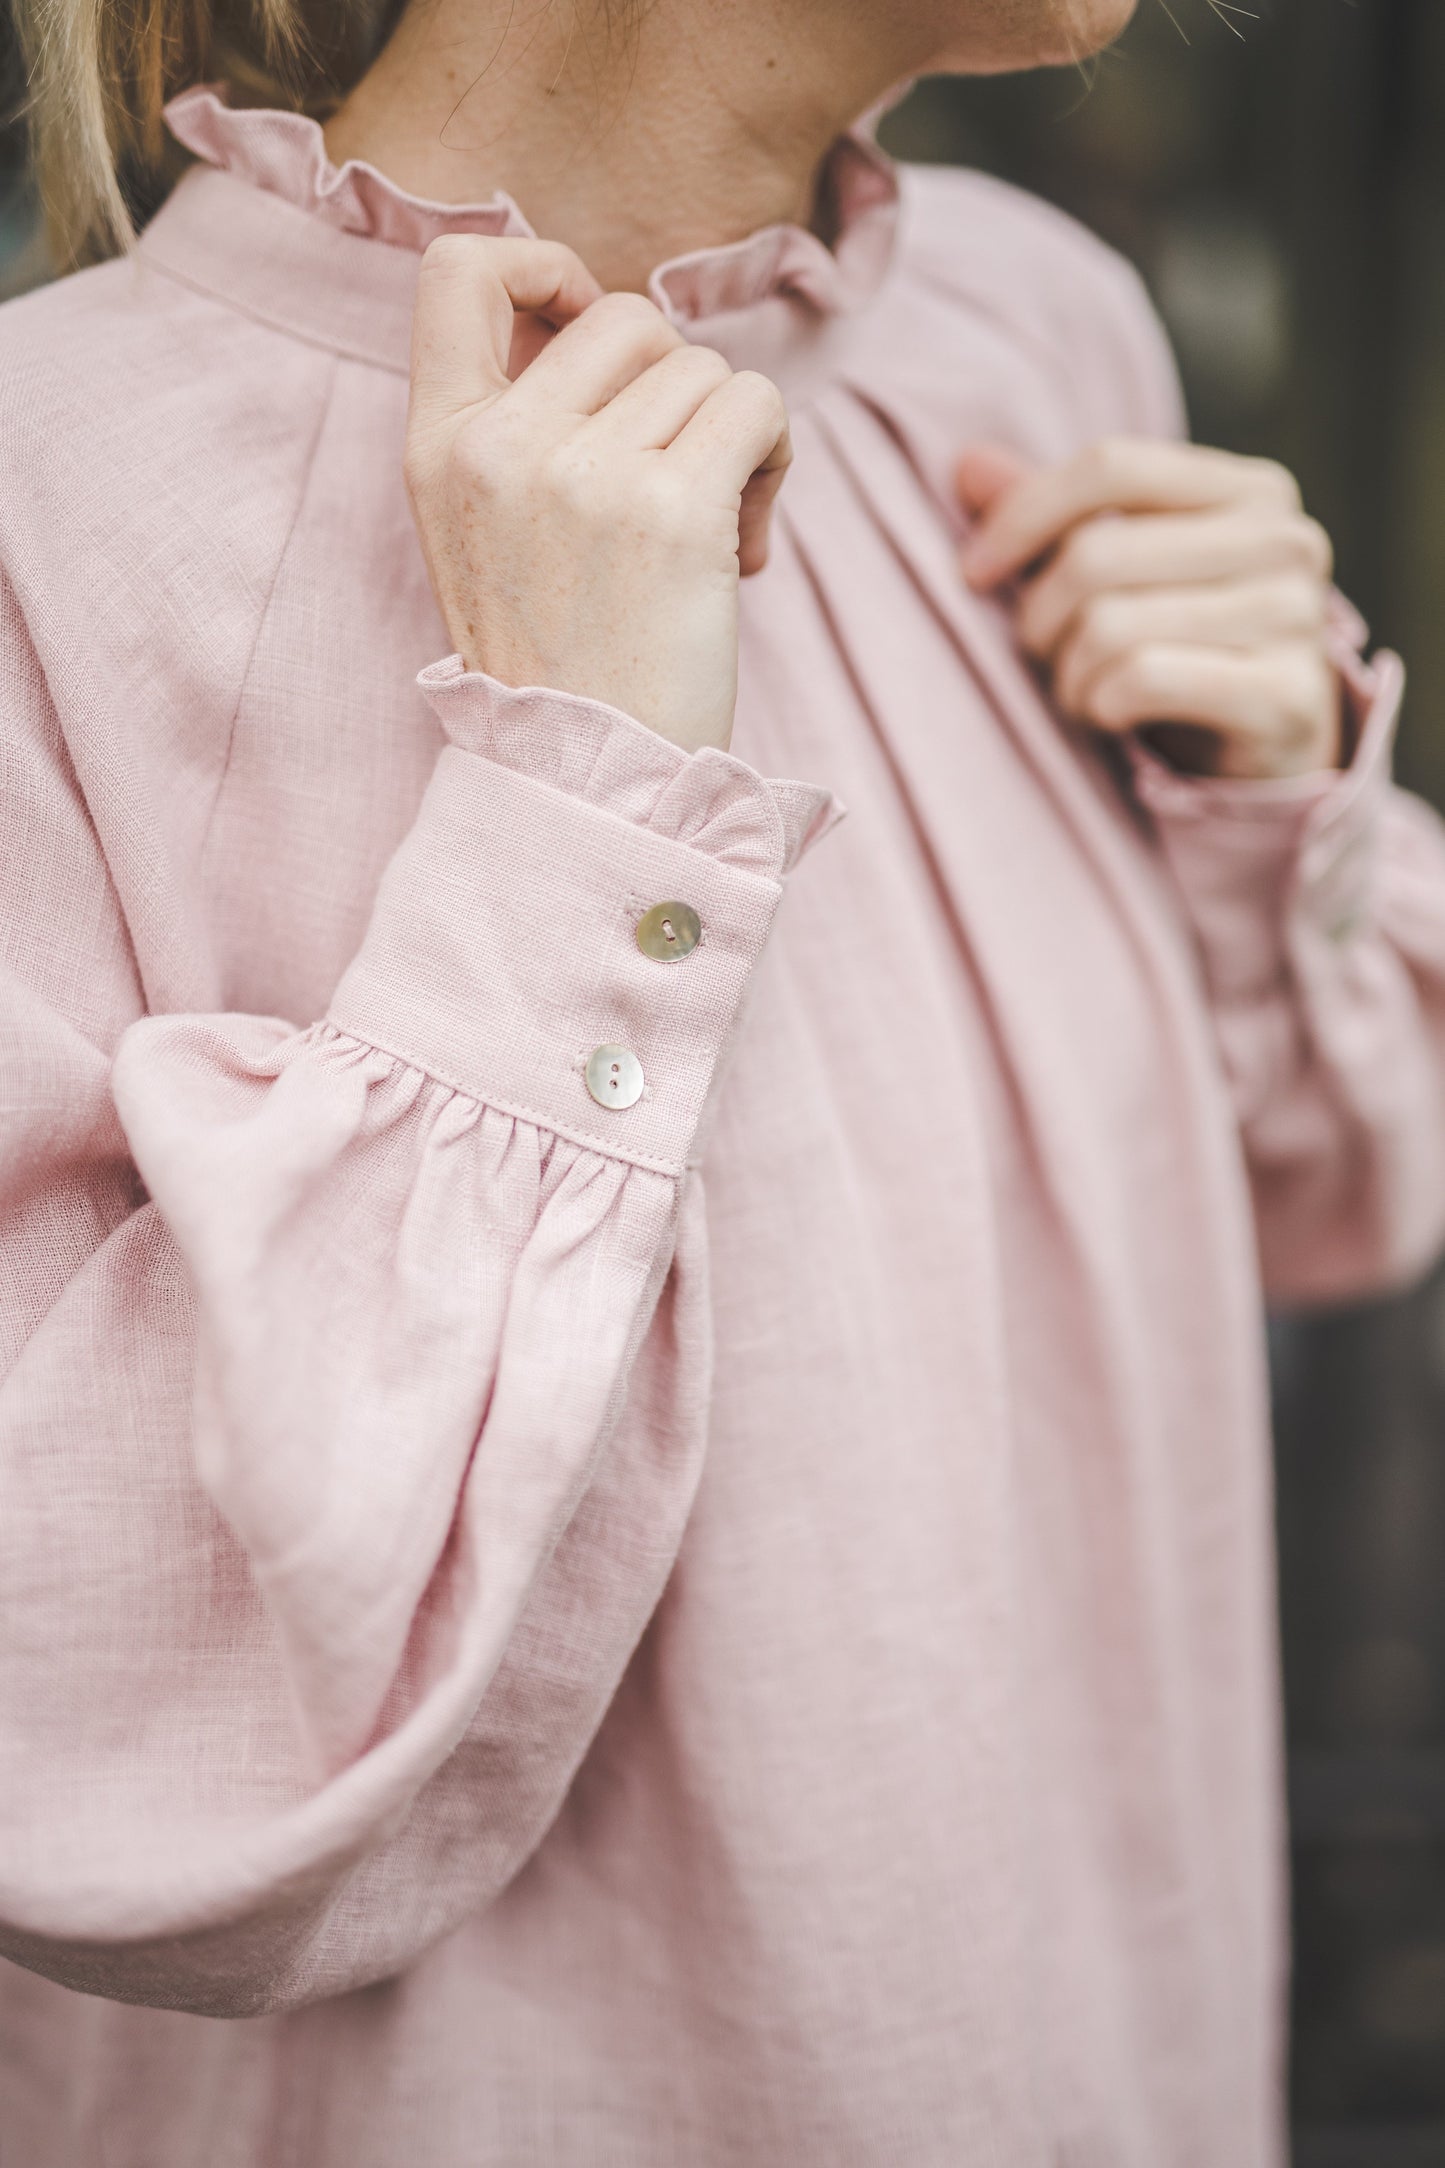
point(586, 521)
point(1164, 584)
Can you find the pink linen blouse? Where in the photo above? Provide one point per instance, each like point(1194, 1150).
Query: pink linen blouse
point(734, 1632)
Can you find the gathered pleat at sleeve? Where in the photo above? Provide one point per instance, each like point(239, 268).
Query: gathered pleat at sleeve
point(356, 1367)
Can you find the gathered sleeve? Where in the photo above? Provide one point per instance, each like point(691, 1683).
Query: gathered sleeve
point(354, 1368)
point(1317, 906)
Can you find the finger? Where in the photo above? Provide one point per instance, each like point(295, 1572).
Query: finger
point(469, 289)
point(984, 472)
point(1242, 615)
point(740, 430)
point(755, 517)
point(1276, 713)
point(593, 358)
point(1122, 474)
point(739, 438)
point(1166, 550)
point(648, 413)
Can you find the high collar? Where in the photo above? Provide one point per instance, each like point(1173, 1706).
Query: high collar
point(343, 271)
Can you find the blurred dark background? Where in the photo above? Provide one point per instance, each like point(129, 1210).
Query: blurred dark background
point(1277, 171)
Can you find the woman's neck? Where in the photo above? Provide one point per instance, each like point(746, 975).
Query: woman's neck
point(630, 131)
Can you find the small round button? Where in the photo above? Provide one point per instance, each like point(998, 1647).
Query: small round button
point(668, 931)
point(614, 1076)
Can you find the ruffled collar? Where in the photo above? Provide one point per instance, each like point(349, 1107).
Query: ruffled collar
point(284, 154)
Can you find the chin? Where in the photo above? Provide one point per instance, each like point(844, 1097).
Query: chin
point(1002, 35)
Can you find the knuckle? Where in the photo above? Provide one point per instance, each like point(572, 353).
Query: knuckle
point(1095, 462)
point(474, 469)
point(706, 360)
point(1275, 480)
point(1104, 625)
point(1082, 652)
point(705, 365)
point(1297, 683)
point(556, 255)
point(1112, 702)
point(1313, 546)
point(627, 308)
point(763, 395)
point(1145, 675)
point(1107, 458)
point(1303, 602)
point(569, 472)
point(760, 387)
point(1086, 559)
point(456, 255)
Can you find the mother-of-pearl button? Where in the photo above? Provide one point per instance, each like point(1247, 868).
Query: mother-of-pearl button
point(614, 1076)
point(668, 931)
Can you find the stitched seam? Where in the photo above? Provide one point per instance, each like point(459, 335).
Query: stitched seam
point(264, 615)
point(341, 349)
point(673, 1169)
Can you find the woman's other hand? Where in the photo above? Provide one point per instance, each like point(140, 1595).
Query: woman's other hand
point(1162, 584)
point(586, 521)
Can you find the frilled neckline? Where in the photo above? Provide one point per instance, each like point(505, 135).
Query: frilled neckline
point(284, 154)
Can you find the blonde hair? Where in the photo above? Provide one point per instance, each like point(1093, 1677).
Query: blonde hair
point(98, 73)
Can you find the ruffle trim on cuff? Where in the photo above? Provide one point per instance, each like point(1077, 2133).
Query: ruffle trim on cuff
point(709, 800)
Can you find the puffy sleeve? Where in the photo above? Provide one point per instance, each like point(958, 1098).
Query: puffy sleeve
point(1317, 907)
point(354, 1368)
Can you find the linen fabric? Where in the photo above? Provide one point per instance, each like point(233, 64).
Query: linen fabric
point(734, 1631)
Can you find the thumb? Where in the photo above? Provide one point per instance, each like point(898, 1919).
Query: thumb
point(985, 472)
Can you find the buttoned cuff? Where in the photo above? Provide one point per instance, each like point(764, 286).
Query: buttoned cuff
point(502, 951)
point(1259, 864)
